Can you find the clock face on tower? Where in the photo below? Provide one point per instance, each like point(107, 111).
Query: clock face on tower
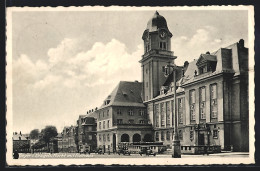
point(162, 34)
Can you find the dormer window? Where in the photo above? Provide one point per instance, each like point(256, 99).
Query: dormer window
point(206, 63)
point(107, 102)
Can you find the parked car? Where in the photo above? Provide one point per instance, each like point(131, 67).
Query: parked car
point(100, 151)
point(147, 151)
point(123, 151)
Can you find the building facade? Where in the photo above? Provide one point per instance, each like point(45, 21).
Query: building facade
point(68, 140)
point(87, 131)
point(123, 118)
point(21, 143)
point(212, 93)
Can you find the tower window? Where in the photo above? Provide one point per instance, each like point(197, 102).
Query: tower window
point(146, 84)
point(163, 45)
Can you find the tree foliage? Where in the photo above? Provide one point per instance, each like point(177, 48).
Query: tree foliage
point(48, 133)
point(38, 145)
point(34, 134)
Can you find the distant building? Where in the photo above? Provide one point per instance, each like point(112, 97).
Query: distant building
point(59, 142)
point(68, 139)
point(87, 130)
point(21, 142)
point(123, 117)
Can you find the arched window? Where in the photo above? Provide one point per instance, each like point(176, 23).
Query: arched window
point(136, 138)
point(125, 138)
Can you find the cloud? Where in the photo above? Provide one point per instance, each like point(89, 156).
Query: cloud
point(206, 38)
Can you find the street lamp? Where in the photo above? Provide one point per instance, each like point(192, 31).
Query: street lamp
point(176, 147)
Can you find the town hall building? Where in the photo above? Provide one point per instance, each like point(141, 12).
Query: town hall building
point(211, 93)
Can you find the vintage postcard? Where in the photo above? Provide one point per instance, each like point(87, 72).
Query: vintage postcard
point(130, 85)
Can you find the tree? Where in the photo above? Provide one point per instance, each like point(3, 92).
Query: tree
point(34, 134)
point(48, 133)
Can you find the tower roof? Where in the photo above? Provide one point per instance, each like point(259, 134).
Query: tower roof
point(157, 22)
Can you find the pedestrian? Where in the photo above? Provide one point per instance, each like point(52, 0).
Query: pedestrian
point(15, 154)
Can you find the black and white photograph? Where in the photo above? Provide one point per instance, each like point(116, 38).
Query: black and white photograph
point(130, 85)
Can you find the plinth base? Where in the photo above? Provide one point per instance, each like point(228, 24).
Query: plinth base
point(176, 149)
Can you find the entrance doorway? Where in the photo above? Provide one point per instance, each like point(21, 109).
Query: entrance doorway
point(114, 142)
point(104, 148)
point(201, 139)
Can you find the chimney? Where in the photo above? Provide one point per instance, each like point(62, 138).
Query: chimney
point(241, 43)
point(207, 53)
point(136, 81)
point(20, 133)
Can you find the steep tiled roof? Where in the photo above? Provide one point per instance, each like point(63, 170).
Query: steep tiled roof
point(92, 114)
point(16, 137)
point(126, 94)
point(209, 57)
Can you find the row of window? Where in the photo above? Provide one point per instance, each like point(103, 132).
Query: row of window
point(167, 113)
point(168, 135)
point(104, 137)
point(104, 124)
point(131, 112)
point(130, 121)
point(202, 102)
point(103, 114)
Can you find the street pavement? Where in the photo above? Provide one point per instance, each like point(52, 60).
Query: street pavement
point(77, 155)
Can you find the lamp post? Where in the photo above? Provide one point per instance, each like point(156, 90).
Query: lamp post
point(176, 147)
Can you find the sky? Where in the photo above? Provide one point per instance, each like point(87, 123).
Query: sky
point(67, 62)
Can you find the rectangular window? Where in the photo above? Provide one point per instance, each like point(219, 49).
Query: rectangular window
point(162, 136)
point(168, 114)
point(99, 137)
point(157, 136)
point(119, 112)
point(89, 128)
point(99, 115)
point(180, 110)
point(131, 112)
point(163, 45)
point(141, 121)
point(104, 137)
point(119, 121)
point(202, 102)
point(192, 105)
point(108, 123)
point(141, 112)
point(146, 84)
point(103, 114)
point(168, 135)
point(108, 137)
point(107, 112)
point(130, 121)
point(162, 114)
point(213, 101)
point(180, 134)
point(157, 115)
point(99, 125)
point(104, 124)
point(90, 137)
point(215, 133)
point(191, 134)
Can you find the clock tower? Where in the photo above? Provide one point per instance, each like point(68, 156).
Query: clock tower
point(157, 54)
